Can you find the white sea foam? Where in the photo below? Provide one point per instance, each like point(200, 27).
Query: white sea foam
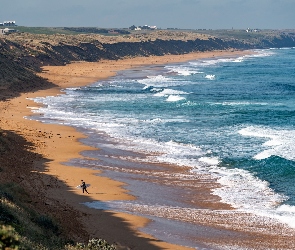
point(213, 62)
point(283, 213)
point(156, 120)
point(167, 92)
point(189, 104)
point(286, 48)
point(210, 160)
point(175, 98)
point(210, 77)
point(159, 81)
point(73, 89)
point(239, 59)
point(240, 103)
point(277, 142)
point(246, 192)
point(156, 90)
point(154, 81)
point(183, 70)
point(256, 193)
point(165, 152)
point(261, 53)
point(172, 95)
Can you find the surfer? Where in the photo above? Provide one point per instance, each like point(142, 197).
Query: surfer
point(84, 187)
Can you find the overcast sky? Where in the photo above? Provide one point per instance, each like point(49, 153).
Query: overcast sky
point(189, 14)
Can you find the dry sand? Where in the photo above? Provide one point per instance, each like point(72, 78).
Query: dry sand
point(54, 183)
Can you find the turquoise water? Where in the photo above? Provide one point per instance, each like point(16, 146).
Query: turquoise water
point(232, 118)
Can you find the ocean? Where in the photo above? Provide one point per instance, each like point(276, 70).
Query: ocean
point(223, 123)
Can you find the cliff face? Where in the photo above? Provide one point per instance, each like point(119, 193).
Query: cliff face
point(85, 51)
point(21, 57)
point(17, 71)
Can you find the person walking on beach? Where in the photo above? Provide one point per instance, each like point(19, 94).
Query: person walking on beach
point(84, 187)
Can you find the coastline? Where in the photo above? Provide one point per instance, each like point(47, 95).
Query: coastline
point(47, 138)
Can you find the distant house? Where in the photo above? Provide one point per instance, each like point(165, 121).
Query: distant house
point(145, 27)
point(9, 23)
point(7, 31)
point(252, 30)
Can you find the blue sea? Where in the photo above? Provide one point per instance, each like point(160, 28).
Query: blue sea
point(229, 122)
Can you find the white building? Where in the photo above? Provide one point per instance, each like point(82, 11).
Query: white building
point(9, 23)
point(6, 31)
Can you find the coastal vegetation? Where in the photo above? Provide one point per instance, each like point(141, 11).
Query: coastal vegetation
point(16, 218)
point(44, 233)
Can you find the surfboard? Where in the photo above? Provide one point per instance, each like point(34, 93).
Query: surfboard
point(79, 186)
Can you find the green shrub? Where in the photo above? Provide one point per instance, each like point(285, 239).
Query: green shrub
point(46, 222)
point(8, 238)
point(27, 229)
point(7, 216)
point(93, 244)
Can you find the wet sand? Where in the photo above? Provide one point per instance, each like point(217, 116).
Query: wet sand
point(57, 144)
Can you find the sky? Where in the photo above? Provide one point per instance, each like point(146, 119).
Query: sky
point(182, 14)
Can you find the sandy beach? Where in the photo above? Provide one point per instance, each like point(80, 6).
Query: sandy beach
point(54, 183)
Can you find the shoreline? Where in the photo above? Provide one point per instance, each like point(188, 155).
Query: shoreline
point(48, 138)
